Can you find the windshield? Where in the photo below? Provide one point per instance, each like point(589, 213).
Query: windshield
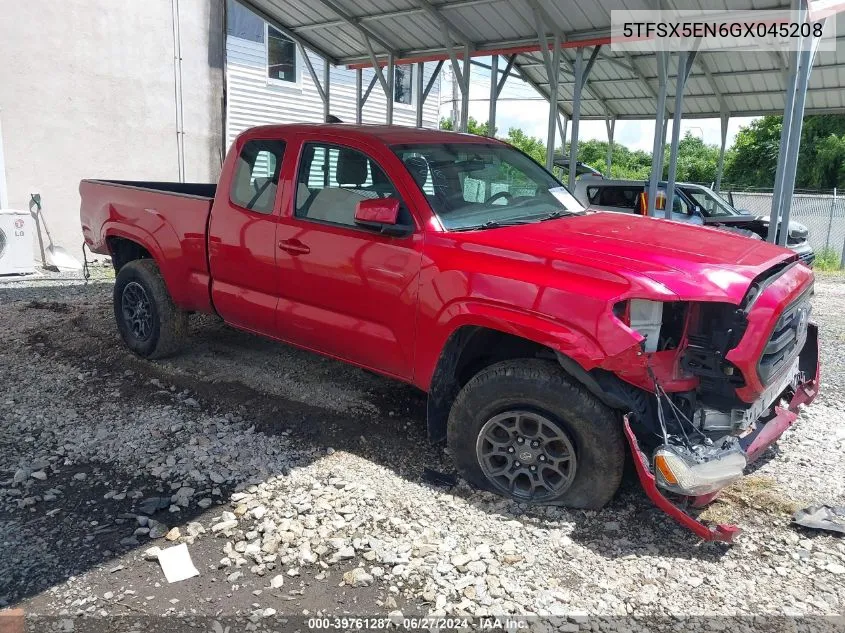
point(485, 185)
point(711, 203)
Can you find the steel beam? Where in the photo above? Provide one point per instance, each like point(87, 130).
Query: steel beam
point(443, 21)
point(659, 130)
point(576, 116)
point(418, 90)
point(553, 98)
point(724, 118)
point(494, 95)
point(391, 82)
point(432, 79)
point(806, 56)
point(314, 78)
point(327, 84)
point(359, 103)
point(685, 62)
point(610, 124)
point(356, 23)
point(287, 31)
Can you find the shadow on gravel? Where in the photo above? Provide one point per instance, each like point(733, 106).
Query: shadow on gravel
point(75, 528)
point(88, 530)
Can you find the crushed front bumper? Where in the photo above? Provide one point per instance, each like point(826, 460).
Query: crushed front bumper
point(753, 445)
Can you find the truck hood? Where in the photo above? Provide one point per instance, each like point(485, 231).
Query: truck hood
point(693, 263)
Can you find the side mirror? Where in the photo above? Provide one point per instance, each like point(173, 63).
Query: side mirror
point(381, 214)
point(697, 210)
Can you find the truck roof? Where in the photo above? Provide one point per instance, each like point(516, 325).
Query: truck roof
point(388, 134)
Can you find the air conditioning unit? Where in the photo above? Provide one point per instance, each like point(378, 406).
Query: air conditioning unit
point(16, 242)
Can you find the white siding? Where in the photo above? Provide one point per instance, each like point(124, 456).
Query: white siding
point(254, 100)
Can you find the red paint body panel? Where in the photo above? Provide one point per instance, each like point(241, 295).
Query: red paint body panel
point(391, 303)
point(170, 226)
point(313, 284)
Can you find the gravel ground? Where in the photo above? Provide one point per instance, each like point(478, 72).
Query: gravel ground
point(297, 484)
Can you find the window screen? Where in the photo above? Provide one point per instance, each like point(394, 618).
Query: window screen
point(256, 178)
point(281, 56)
point(403, 82)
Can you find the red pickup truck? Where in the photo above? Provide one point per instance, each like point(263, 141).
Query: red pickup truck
point(548, 339)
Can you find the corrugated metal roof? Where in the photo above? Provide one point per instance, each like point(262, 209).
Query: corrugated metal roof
point(619, 85)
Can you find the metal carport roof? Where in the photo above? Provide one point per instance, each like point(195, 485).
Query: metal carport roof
point(546, 43)
point(622, 85)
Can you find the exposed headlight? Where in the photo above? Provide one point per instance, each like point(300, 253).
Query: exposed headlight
point(681, 471)
point(644, 317)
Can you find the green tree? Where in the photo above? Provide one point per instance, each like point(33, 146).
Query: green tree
point(752, 161)
point(532, 146)
point(473, 126)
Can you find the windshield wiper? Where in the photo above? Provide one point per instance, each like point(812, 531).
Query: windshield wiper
point(554, 215)
point(493, 224)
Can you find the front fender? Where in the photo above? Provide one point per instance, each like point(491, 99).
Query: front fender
point(560, 337)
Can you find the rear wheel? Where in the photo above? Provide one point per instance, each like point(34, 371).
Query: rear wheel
point(523, 429)
point(148, 321)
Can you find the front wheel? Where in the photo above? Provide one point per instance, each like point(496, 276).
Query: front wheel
point(525, 430)
point(149, 322)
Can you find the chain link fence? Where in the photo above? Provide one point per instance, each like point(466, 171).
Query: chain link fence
point(822, 212)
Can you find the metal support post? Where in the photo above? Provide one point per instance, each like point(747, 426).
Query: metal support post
point(659, 130)
point(494, 95)
point(326, 89)
point(467, 72)
point(554, 76)
point(724, 119)
point(802, 80)
point(391, 79)
point(685, 61)
point(580, 78)
point(418, 93)
point(359, 103)
point(610, 124)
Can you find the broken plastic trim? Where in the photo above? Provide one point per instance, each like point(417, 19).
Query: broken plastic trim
point(724, 532)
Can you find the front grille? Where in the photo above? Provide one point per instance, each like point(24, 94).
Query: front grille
point(787, 338)
point(808, 258)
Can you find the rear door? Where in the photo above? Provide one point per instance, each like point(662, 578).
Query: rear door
point(242, 235)
point(346, 290)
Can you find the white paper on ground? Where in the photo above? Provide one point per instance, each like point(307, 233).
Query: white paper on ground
point(176, 563)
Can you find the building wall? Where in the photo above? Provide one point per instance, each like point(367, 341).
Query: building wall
point(87, 91)
point(253, 99)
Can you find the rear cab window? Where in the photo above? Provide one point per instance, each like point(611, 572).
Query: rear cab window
point(256, 179)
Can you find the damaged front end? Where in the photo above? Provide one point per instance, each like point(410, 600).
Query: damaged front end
point(724, 382)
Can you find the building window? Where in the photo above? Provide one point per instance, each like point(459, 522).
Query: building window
point(403, 81)
point(281, 56)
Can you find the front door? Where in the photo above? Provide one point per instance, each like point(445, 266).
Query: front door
point(242, 237)
point(346, 290)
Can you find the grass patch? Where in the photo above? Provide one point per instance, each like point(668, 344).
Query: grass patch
point(755, 492)
point(827, 260)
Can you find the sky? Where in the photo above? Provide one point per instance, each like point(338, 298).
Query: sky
point(520, 106)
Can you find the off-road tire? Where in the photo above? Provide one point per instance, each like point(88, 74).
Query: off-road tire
point(595, 430)
point(169, 324)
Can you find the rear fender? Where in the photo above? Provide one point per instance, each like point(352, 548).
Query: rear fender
point(165, 249)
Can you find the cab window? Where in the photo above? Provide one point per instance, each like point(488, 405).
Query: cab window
point(332, 180)
point(256, 179)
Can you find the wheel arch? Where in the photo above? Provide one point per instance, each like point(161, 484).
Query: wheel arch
point(471, 348)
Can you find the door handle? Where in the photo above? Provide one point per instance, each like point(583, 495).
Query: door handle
point(294, 247)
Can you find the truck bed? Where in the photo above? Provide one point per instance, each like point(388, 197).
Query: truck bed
point(193, 189)
point(169, 218)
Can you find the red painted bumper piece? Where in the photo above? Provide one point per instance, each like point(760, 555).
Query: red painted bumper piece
point(773, 429)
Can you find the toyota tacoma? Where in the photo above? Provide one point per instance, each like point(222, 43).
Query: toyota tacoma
point(550, 341)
